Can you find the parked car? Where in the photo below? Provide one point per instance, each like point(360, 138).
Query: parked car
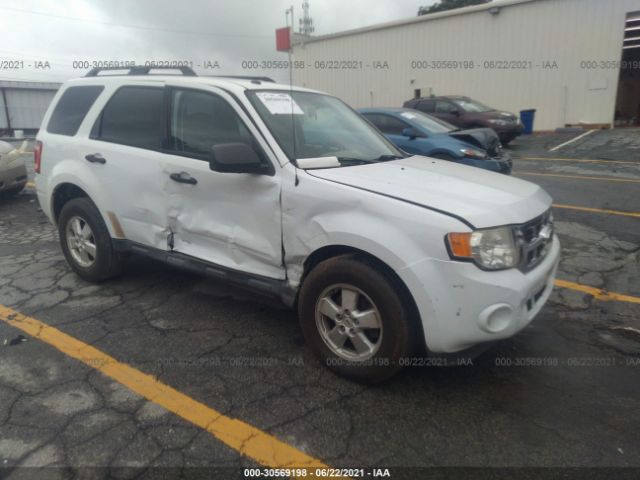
point(420, 134)
point(13, 173)
point(467, 113)
point(290, 192)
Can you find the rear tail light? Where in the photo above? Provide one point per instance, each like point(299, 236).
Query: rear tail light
point(37, 156)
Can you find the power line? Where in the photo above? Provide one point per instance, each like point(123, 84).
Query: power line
point(136, 27)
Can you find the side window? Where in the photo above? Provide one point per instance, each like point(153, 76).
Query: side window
point(393, 126)
point(376, 119)
point(71, 109)
point(133, 116)
point(427, 106)
point(200, 120)
point(445, 107)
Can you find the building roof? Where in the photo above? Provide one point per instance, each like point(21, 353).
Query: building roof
point(20, 85)
point(417, 19)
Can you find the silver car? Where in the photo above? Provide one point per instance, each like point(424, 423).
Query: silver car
point(13, 173)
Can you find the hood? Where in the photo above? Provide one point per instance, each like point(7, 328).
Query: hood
point(484, 138)
point(482, 198)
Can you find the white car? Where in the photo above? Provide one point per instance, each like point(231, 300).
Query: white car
point(290, 192)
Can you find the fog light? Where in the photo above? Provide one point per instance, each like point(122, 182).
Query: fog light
point(496, 318)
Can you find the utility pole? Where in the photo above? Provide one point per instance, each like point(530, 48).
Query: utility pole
point(286, 14)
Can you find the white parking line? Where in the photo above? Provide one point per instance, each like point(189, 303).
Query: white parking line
point(589, 132)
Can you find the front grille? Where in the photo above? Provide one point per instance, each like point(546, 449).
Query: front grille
point(534, 239)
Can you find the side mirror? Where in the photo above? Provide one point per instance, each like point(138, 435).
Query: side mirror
point(411, 132)
point(236, 158)
point(456, 113)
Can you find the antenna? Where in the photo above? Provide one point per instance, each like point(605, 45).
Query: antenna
point(293, 121)
point(306, 22)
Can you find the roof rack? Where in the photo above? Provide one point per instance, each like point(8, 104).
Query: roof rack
point(140, 70)
point(247, 77)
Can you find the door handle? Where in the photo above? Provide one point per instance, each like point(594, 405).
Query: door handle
point(183, 177)
point(95, 158)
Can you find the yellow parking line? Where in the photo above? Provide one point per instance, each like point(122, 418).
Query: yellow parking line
point(576, 160)
point(249, 441)
point(597, 210)
point(597, 293)
point(579, 177)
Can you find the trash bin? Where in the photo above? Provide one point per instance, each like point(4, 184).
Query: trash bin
point(527, 117)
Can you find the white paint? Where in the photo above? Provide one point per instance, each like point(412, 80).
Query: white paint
point(582, 135)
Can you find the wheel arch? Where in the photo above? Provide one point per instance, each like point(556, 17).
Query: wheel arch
point(332, 251)
point(62, 194)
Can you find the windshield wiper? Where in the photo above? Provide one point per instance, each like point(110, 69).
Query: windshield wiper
point(355, 161)
point(386, 158)
point(363, 161)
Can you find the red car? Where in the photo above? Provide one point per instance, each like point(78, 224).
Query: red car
point(465, 112)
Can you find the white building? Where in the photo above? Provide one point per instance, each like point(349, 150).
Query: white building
point(560, 57)
point(23, 105)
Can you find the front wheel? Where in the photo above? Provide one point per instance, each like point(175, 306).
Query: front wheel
point(355, 319)
point(86, 242)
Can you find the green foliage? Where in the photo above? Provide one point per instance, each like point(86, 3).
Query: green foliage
point(443, 5)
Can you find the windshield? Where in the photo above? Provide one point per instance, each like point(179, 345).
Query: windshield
point(312, 125)
point(428, 123)
point(471, 105)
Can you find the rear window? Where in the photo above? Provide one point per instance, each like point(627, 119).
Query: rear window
point(71, 109)
point(133, 116)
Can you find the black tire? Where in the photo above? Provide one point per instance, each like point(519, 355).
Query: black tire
point(107, 263)
point(443, 156)
point(11, 192)
point(399, 332)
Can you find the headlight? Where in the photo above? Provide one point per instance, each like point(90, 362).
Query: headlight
point(491, 249)
point(470, 152)
point(498, 122)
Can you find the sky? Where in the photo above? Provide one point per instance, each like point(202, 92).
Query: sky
point(54, 40)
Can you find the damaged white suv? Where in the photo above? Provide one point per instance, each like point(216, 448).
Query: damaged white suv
point(290, 192)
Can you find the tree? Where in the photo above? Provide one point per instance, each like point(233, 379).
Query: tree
point(443, 5)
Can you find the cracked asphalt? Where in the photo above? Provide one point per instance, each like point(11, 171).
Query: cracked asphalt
point(563, 393)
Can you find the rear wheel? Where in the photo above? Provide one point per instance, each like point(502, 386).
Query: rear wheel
point(10, 192)
point(86, 242)
point(355, 320)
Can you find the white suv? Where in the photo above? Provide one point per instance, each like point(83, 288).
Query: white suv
point(290, 192)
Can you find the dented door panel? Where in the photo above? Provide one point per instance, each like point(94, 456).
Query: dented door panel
point(228, 219)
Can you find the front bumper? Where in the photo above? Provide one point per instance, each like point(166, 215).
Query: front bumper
point(13, 177)
point(462, 306)
point(501, 164)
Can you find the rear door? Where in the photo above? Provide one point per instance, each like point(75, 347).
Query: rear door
point(229, 219)
point(124, 153)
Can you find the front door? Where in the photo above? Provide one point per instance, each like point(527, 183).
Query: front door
point(229, 219)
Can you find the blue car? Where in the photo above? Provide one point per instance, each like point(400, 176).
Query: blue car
point(417, 133)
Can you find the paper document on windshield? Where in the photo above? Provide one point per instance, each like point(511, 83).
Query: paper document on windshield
point(279, 103)
point(319, 162)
